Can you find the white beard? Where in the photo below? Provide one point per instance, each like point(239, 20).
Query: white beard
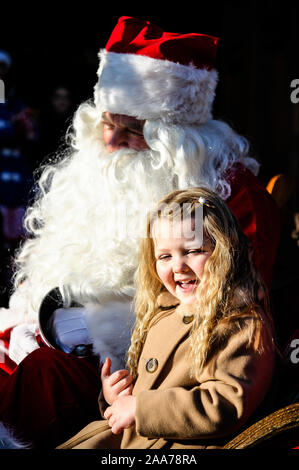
point(87, 229)
point(8, 441)
point(92, 219)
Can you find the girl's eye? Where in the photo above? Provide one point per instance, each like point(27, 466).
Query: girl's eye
point(200, 250)
point(164, 257)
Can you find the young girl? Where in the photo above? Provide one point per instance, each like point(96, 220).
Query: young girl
point(202, 351)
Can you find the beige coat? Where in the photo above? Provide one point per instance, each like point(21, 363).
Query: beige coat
point(176, 411)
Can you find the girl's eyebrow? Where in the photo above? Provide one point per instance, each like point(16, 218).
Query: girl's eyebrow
point(160, 250)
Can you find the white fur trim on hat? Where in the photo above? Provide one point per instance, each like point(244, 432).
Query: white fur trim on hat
point(148, 88)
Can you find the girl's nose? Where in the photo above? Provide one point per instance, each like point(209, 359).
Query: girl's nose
point(179, 266)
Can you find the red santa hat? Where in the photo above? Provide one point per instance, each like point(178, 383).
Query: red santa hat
point(149, 74)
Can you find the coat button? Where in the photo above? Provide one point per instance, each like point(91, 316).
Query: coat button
point(151, 365)
point(188, 319)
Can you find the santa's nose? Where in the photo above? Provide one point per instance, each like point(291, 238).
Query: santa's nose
point(117, 141)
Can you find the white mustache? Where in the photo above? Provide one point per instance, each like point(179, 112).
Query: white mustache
point(119, 166)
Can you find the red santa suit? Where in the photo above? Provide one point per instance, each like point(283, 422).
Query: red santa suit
point(258, 216)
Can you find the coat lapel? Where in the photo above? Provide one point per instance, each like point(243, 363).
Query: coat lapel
point(167, 331)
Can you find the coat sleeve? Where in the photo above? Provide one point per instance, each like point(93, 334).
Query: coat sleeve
point(230, 387)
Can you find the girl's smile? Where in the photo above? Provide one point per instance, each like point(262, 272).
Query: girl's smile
point(180, 260)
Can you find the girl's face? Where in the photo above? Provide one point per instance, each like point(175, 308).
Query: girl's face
point(180, 260)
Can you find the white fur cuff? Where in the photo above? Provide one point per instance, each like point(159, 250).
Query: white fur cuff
point(110, 328)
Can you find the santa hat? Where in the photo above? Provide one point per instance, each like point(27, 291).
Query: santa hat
point(149, 74)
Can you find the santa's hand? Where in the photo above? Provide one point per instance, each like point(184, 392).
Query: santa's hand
point(115, 385)
point(69, 328)
point(22, 342)
point(121, 415)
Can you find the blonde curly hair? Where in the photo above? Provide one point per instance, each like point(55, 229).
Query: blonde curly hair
point(230, 291)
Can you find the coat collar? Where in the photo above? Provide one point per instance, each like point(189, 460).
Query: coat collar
point(167, 301)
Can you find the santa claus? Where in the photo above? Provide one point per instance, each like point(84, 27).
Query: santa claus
point(148, 131)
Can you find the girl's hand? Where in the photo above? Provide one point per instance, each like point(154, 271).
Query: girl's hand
point(117, 384)
point(121, 415)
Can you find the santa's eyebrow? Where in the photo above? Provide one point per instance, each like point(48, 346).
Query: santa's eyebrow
point(134, 125)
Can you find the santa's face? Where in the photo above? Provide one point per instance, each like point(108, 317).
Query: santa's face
point(120, 131)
